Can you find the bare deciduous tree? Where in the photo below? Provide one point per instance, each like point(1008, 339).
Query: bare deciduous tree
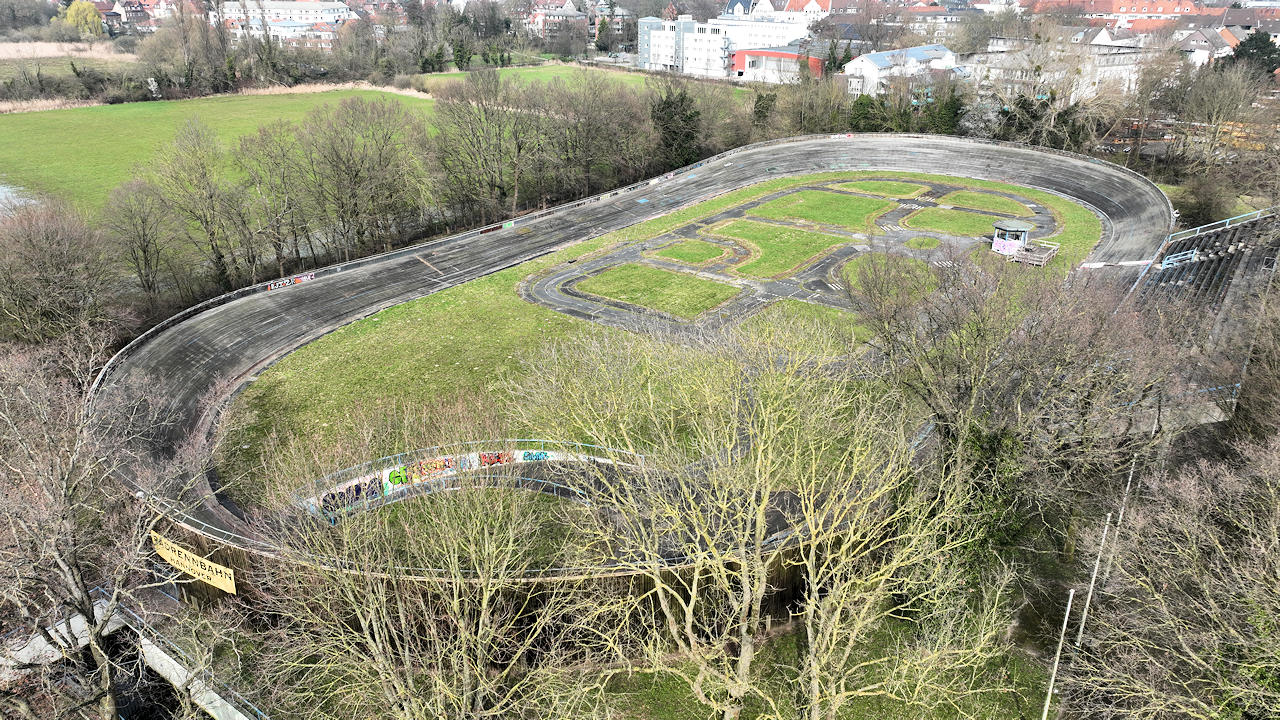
point(73, 538)
point(1185, 627)
point(140, 224)
point(55, 275)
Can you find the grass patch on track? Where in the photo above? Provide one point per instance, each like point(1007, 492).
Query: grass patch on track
point(923, 242)
point(684, 296)
point(781, 249)
point(81, 154)
point(693, 252)
point(986, 202)
point(951, 222)
point(825, 208)
point(884, 188)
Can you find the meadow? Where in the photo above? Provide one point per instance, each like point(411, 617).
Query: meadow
point(80, 154)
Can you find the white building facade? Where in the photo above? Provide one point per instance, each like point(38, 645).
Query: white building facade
point(870, 74)
point(704, 49)
point(308, 11)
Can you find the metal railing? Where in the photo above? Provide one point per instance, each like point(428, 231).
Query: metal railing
point(141, 626)
point(1224, 224)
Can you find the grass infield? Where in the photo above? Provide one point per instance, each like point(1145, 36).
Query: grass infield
point(781, 249)
point(884, 188)
point(825, 208)
point(923, 242)
point(987, 202)
point(693, 252)
point(684, 296)
point(951, 222)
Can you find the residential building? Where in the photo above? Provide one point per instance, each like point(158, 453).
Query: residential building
point(309, 11)
point(294, 33)
point(933, 22)
point(871, 74)
point(548, 18)
point(704, 49)
point(1076, 65)
point(1203, 46)
point(806, 11)
point(778, 65)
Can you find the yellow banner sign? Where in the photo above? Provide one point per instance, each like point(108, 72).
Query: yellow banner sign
point(223, 578)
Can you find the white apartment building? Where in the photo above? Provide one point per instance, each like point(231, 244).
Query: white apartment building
point(308, 11)
point(1074, 67)
point(704, 49)
point(870, 74)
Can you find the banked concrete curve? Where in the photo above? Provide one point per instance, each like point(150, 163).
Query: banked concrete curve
point(235, 336)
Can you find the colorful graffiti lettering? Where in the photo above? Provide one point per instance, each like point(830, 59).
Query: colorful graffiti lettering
point(286, 282)
point(427, 469)
point(353, 494)
point(495, 458)
point(534, 455)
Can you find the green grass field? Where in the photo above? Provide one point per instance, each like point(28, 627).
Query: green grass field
point(824, 208)
point(780, 249)
point(884, 188)
point(986, 202)
point(676, 294)
point(81, 154)
point(693, 252)
point(10, 68)
point(951, 222)
point(545, 73)
point(922, 242)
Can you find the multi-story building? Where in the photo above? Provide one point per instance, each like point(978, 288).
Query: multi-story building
point(778, 65)
point(704, 49)
point(871, 74)
point(309, 11)
point(1078, 64)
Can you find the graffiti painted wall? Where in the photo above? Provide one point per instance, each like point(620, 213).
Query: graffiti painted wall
point(392, 483)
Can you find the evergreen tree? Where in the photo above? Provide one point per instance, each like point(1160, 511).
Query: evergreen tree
point(1258, 51)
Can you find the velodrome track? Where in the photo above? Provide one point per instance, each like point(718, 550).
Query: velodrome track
point(236, 336)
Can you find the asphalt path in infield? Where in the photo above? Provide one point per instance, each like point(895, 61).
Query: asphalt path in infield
point(234, 341)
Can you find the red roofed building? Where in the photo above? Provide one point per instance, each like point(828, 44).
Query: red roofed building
point(1123, 13)
point(773, 65)
point(1152, 25)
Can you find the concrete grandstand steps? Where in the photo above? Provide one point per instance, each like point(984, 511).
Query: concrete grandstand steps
point(1203, 265)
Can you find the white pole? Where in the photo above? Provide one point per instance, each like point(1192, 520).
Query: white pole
point(1124, 503)
point(1093, 579)
point(1048, 697)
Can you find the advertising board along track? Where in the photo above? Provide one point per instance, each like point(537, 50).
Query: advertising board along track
point(235, 336)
